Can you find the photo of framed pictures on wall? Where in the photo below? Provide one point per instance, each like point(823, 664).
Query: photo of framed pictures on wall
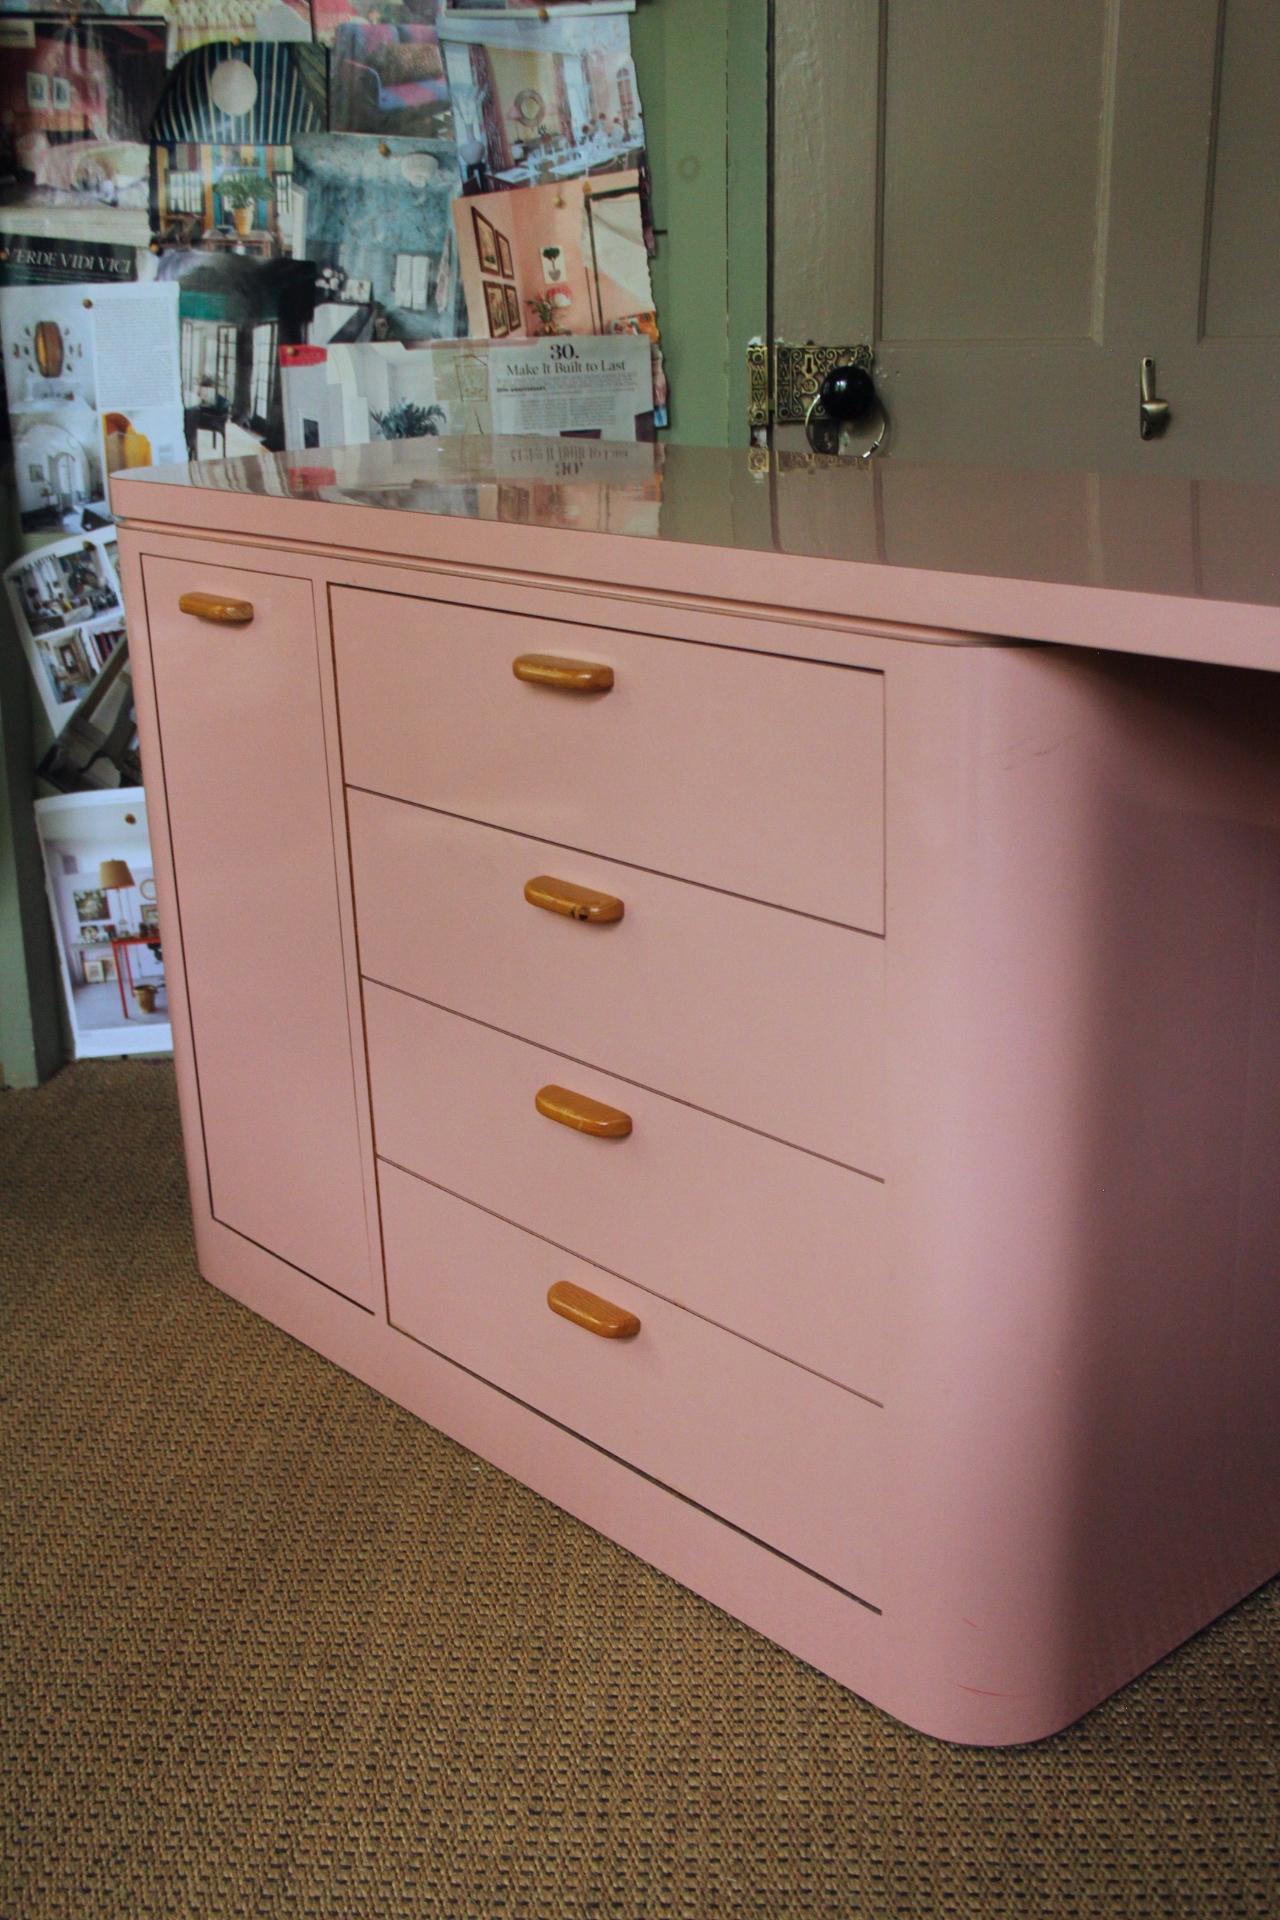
point(496, 311)
point(486, 244)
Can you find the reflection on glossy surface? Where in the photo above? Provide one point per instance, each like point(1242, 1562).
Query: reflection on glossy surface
point(1202, 538)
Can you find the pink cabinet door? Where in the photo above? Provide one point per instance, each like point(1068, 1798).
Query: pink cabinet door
point(247, 788)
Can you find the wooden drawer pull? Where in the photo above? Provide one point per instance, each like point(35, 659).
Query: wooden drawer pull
point(590, 1311)
point(217, 607)
point(566, 676)
point(584, 1115)
point(579, 903)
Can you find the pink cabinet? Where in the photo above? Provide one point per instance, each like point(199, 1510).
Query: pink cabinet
point(246, 787)
point(803, 1099)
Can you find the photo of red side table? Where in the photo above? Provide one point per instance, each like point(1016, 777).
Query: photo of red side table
point(120, 944)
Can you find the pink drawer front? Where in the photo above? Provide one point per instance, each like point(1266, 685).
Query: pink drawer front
point(665, 770)
point(757, 1015)
point(787, 1457)
point(777, 1245)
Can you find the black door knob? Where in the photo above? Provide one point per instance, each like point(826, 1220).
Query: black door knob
point(848, 395)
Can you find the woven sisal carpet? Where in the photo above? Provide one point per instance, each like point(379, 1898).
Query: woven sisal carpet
point(272, 1647)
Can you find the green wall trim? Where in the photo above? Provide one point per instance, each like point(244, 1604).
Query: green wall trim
point(30, 1032)
point(747, 221)
point(702, 70)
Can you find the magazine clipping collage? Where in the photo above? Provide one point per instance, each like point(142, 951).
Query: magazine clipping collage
point(243, 226)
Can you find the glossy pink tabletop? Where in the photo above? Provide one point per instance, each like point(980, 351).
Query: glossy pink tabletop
point(1131, 562)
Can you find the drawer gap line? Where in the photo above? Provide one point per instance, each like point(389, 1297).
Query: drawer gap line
point(630, 1466)
point(599, 1266)
point(848, 626)
point(627, 1080)
point(589, 853)
point(641, 633)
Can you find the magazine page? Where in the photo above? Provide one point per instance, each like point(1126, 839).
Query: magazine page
point(598, 387)
point(235, 312)
point(92, 377)
point(222, 146)
point(193, 23)
point(345, 396)
point(66, 606)
point(538, 100)
point(98, 747)
point(79, 98)
point(388, 76)
point(102, 897)
point(563, 259)
point(375, 218)
point(348, 396)
point(573, 258)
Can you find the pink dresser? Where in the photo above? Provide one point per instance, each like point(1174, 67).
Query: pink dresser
point(749, 994)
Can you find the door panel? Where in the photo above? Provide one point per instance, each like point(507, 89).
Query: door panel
point(1014, 201)
point(1242, 244)
point(247, 787)
point(990, 220)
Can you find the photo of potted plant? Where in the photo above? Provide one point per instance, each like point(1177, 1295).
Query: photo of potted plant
point(543, 308)
point(409, 421)
point(240, 193)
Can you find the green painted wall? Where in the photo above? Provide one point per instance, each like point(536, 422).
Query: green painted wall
point(703, 73)
point(30, 1039)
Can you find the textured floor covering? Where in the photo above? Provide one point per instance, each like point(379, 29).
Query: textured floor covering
point(273, 1647)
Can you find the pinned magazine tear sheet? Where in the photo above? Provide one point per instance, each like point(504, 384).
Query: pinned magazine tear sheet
point(98, 747)
point(222, 161)
point(235, 313)
point(566, 259)
point(92, 377)
point(389, 77)
point(586, 388)
point(76, 107)
point(537, 102)
point(193, 23)
point(102, 896)
point(375, 217)
point(596, 388)
point(66, 606)
point(190, 23)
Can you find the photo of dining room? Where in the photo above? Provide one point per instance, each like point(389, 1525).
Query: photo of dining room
point(539, 101)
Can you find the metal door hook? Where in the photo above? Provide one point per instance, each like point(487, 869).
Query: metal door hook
point(1153, 414)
